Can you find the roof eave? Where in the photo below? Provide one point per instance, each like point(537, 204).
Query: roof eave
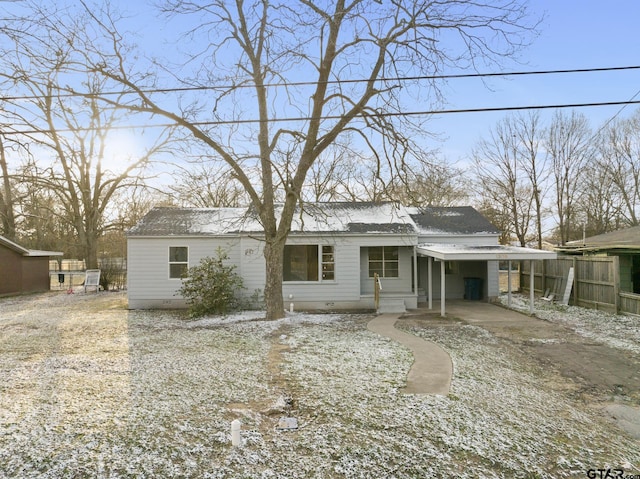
point(37, 253)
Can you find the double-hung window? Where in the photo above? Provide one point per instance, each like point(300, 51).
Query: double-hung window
point(384, 261)
point(308, 263)
point(178, 261)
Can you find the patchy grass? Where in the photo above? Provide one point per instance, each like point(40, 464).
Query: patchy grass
point(92, 390)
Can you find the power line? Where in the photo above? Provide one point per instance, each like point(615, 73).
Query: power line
point(615, 115)
point(329, 82)
point(337, 117)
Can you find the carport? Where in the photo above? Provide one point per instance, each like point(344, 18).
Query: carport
point(458, 252)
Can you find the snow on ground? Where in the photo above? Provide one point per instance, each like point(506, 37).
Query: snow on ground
point(90, 389)
point(618, 331)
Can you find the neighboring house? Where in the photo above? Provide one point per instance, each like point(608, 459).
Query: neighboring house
point(624, 243)
point(331, 256)
point(23, 270)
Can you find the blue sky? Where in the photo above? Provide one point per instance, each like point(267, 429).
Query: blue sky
point(574, 34)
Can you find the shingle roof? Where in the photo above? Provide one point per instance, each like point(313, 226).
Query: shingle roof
point(169, 221)
point(451, 219)
point(623, 238)
point(334, 217)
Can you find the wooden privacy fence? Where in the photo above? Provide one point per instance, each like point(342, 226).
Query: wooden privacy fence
point(596, 282)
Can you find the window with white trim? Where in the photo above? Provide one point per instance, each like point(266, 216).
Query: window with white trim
point(178, 261)
point(384, 261)
point(328, 263)
point(305, 262)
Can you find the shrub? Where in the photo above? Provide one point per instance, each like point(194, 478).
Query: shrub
point(212, 287)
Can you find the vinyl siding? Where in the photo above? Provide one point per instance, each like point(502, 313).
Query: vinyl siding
point(149, 285)
point(252, 266)
point(148, 282)
point(493, 282)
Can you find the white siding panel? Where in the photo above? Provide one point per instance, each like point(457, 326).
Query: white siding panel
point(252, 264)
point(493, 279)
point(148, 279)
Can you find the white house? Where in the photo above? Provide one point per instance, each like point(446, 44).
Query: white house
point(331, 256)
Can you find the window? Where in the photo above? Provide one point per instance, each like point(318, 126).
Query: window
point(384, 261)
point(303, 262)
point(328, 263)
point(178, 261)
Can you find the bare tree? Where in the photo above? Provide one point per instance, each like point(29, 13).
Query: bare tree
point(501, 219)
point(501, 181)
point(599, 205)
point(569, 146)
point(207, 184)
point(529, 135)
point(247, 57)
point(428, 181)
point(330, 176)
point(71, 132)
point(7, 207)
point(620, 159)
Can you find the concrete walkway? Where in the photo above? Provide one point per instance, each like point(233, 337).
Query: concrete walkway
point(432, 369)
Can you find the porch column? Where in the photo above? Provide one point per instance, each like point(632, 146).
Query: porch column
point(430, 281)
point(442, 288)
point(415, 273)
point(531, 285)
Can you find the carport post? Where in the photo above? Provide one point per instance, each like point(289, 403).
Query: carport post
point(430, 281)
point(509, 284)
point(442, 287)
point(531, 286)
point(415, 273)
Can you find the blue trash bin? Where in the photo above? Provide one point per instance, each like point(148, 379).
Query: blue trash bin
point(473, 289)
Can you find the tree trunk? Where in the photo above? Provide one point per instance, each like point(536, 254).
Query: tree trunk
point(6, 198)
point(273, 255)
point(91, 252)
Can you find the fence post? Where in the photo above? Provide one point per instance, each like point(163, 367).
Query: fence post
point(616, 283)
point(576, 295)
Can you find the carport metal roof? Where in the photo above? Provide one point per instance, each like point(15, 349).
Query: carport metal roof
point(459, 252)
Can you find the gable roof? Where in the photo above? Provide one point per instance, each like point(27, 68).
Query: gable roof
point(452, 219)
point(352, 217)
point(169, 221)
point(330, 217)
point(626, 238)
point(24, 251)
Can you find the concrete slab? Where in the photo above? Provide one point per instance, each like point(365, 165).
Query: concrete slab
point(627, 418)
point(432, 368)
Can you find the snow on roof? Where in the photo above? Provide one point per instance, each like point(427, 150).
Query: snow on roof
point(448, 252)
point(334, 217)
point(167, 221)
point(351, 217)
point(26, 252)
point(452, 219)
